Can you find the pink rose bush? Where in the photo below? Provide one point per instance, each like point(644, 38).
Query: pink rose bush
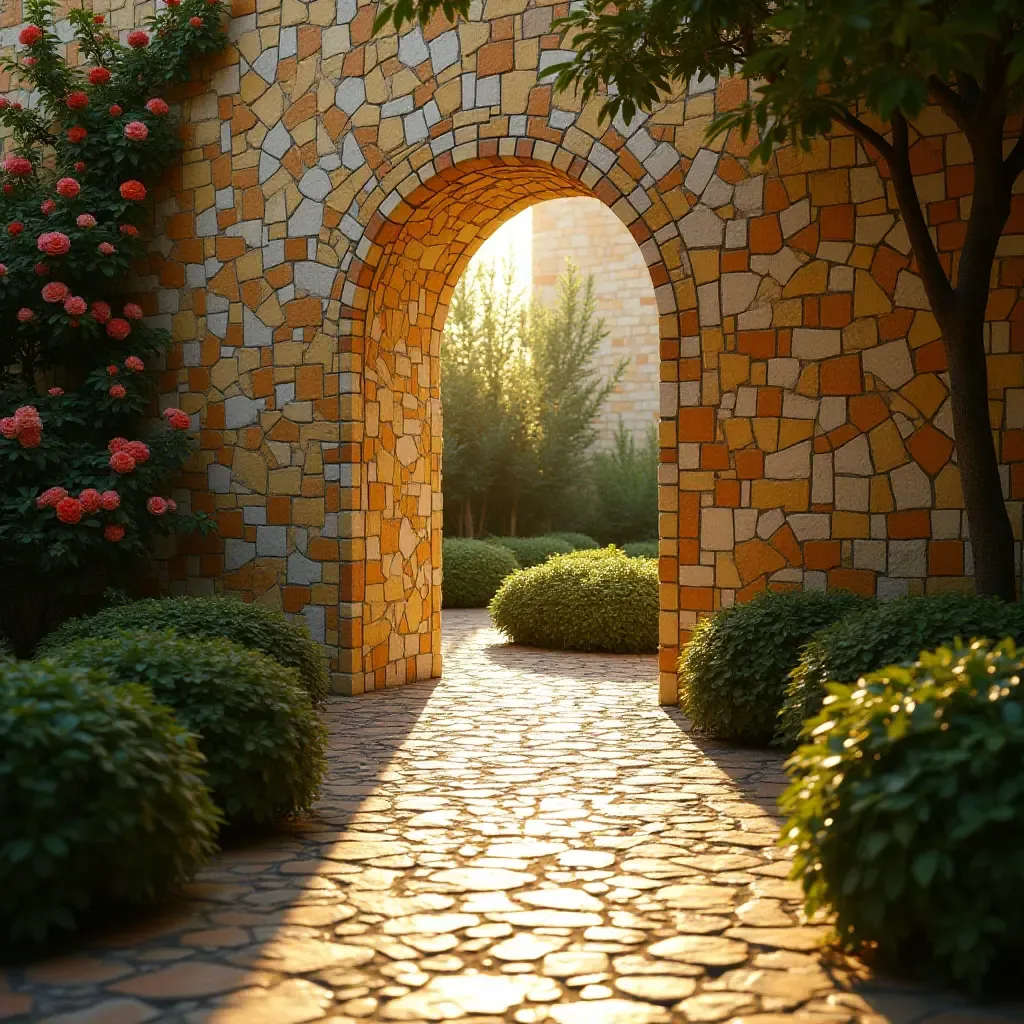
point(84, 461)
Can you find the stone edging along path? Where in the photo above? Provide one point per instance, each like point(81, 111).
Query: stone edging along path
point(530, 839)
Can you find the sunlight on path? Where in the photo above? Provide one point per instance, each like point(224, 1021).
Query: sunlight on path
point(530, 839)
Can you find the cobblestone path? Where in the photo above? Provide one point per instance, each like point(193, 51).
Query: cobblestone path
point(530, 839)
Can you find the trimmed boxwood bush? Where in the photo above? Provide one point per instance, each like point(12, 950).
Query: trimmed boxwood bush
point(585, 601)
point(907, 813)
point(263, 742)
point(885, 634)
point(732, 673)
point(579, 541)
point(473, 571)
point(251, 625)
point(103, 799)
point(531, 551)
point(641, 549)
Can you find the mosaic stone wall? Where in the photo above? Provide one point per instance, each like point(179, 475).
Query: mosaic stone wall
point(588, 233)
point(332, 188)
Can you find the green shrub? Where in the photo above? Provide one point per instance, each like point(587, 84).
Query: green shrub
point(886, 634)
point(907, 812)
point(732, 673)
point(102, 799)
point(641, 549)
point(586, 601)
point(578, 541)
point(473, 571)
point(530, 551)
point(203, 618)
point(263, 742)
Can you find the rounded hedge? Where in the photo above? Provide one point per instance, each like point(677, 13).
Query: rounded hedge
point(733, 671)
point(473, 571)
point(578, 541)
point(641, 549)
point(530, 551)
point(251, 625)
point(264, 744)
point(907, 813)
point(585, 601)
point(103, 799)
point(885, 634)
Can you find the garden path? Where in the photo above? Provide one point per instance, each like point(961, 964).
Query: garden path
point(532, 838)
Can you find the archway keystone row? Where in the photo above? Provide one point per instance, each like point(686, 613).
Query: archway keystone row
point(806, 438)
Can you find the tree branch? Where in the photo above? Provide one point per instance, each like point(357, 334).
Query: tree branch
point(933, 276)
point(949, 99)
point(865, 132)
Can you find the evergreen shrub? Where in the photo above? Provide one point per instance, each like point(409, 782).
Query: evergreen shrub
point(262, 629)
point(263, 742)
point(585, 600)
point(530, 551)
point(579, 541)
point(733, 671)
point(473, 571)
point(641, 549)
point(103, 799)
point(887, 633)
point(907, 813)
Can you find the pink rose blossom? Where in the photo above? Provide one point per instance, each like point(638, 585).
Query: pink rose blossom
point(122, 462)
point(25, 314)
point(55, 291)
point(68, 188)
point(157, 106)
point(105, 249)
point(56, 392)
point(69, 510)
point(53, 243)
point(113, 532)
point(47, 206)
point(75, 305)
point(91, 500)
point(17, 166)
point(100, 312)
point(138, 451)
point(136, 131)
point(138, 39)
point(133, 311)
point(116, 391)
point(156, 505)
point(77, 100)
point(135, 364)
point(85, 220)
point(30, 35)
point(50, 497)
point(110, 500)
point(9, 427)
point(119, 329)
point(177, 419)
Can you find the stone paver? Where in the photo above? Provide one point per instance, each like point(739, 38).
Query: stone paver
point(531, 839)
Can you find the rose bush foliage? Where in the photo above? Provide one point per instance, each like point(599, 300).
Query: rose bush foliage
point(86, 476)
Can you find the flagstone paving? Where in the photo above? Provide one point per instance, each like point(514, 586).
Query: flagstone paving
point(531, 839)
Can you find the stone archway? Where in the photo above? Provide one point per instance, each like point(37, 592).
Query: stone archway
point(415, 256)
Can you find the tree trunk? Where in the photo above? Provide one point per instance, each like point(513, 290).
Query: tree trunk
point(991, 533)
point(960, 314)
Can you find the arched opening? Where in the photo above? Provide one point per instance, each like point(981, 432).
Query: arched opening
point(413, 259)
